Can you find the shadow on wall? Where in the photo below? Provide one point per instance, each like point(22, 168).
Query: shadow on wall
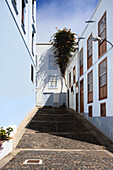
point(43, 66)
point(61, 84)
point(54, 99)
point(42, 70)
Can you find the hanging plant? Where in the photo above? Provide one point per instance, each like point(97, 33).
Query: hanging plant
point(63, 41)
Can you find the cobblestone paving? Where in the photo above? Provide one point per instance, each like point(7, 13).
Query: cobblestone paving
point(62, 141)
point(52, 129)
point(63, 160)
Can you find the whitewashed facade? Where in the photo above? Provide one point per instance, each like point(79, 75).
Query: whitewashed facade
point(97, 69)
point(17, 60)
point(72, 79)
point(51, 89)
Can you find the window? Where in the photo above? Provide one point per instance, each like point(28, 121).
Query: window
point(23, 15)
point(76, 102)
point(70, 79)
point(103, 109)
point(32, 74)
point(90, 111)
point(72, 89)
point(52, 81)
point(102, 46)
point(33, 43)
point(73, 75)
point(52, 65)
point(90, 87)
point(14, 3)
point(89, 52)
point(81, 62)
point(103, 74)
point(103, 79)
point(81, 84)
point(33, 10)
point(82, 96)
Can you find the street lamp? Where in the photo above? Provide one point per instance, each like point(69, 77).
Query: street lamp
point(99, 39)
point(79, 38)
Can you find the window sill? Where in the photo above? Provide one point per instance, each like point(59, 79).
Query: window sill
point(23, 28)
point(14, 6)
point(52, 87)
point(102, 98)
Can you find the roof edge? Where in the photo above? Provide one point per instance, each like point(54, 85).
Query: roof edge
point(91, 17)
point(44, 44)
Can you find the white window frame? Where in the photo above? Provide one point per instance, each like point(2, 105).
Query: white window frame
point(102, 28)
point(81, 58)
point(103, 72)
point(51, 87)
point(89, 46)
point(90, 82)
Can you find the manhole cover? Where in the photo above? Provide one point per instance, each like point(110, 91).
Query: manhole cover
point(33, 161)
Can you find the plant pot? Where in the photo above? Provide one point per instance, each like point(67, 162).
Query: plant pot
point(5, 147)
point(4, 139)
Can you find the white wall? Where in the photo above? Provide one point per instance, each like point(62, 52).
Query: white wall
point(104, 124)
point(28, 22)
point(17, 91)
point(93, 28)
point(72, 95)
point(43, 52)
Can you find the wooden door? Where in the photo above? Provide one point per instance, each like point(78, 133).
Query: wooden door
point(82, 96)
point(76, 102)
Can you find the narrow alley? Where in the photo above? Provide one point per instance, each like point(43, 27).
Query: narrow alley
point(62, 139)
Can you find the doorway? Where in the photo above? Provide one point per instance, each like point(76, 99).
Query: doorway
point(76, 102)
point(82, 96)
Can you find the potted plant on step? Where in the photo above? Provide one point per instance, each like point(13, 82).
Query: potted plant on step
point(5, 141)
point(5, 134)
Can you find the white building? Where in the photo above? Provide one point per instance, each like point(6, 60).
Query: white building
point(51, 89)
point(17, 60)
point(96, 69)
point(72, 82)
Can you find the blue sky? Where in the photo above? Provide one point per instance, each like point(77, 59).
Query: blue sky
point(62, 13)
